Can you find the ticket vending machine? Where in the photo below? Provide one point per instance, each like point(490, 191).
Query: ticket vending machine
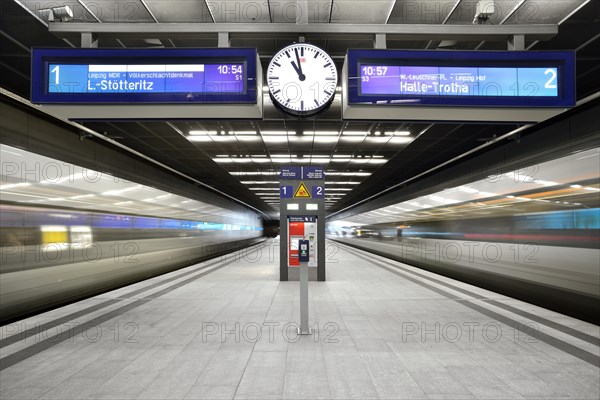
point(298, 231)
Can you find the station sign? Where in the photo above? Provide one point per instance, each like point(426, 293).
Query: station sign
point(190, 76)
point(461, 78)
point(297, 173)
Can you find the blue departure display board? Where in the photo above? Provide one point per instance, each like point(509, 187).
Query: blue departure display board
point(144, 76)
point(506, 79)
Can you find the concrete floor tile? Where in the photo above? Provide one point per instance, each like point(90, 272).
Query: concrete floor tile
point(352, 389)
point(359, 349)
point(211, 393)
point(305, 386)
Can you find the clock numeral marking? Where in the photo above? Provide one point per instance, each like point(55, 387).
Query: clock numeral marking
point(276, 63)
point(273, 77)
point(329, 78)
point(302, 104)
point(302, 51)
point(326, 65)
point(277, 91)
point(316, 102)
point(288, 100)
point(287, 53)
point(327, 93)
point(317, 54)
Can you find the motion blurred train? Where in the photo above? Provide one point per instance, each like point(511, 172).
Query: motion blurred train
point(67, 232)
point(551, 258)
point(51, 256)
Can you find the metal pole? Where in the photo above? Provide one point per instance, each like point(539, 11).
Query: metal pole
point(304, 329)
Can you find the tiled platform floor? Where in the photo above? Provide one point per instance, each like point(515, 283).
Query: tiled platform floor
point(380, 332)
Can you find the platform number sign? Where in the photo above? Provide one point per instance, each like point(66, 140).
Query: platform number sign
point(318, 191)
point(286, 192)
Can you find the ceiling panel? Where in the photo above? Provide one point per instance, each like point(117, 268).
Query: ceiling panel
point(317, 11)
point(358, 12)
point(179, 11)
point(239, 11)
point(421, 12)
point(544, 12)
point(465, 11)
point(119, 11)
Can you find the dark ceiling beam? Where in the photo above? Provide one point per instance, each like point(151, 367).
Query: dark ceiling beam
point(402, 31)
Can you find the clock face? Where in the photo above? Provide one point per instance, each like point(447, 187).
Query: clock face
point(302, 79)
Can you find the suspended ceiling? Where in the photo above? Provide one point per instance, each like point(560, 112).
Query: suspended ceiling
point(241, 157)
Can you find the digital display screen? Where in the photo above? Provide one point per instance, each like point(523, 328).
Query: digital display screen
point(458, 81)
point(129, 76)
point(135, 78)
point(461, 78)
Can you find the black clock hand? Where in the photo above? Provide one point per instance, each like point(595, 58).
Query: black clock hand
point(298, 66)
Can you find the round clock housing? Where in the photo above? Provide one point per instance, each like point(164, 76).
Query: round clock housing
point(302, 79)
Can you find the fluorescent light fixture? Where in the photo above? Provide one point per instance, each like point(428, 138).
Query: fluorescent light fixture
point(349, 173)
point(324, 133)
point(576, 186)
point(354, 133)
point(293, 206)
point(252, 173)
point(340, 160)
point(400, 133)
point(275, 133)
point(245, 132)
point(326, 139)
point(312, 206)
point(197, 132)
point(261, 160)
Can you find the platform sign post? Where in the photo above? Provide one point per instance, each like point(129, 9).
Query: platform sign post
point(304, 258)
point(302, 218)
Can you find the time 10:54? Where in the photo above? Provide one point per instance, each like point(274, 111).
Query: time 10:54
point(230, 69)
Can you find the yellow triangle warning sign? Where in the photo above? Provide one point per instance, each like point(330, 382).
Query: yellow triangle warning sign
point(302, 192)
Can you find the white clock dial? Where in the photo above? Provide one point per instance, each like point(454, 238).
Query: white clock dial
point(302, 79)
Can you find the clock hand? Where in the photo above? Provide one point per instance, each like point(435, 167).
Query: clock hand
point(298, 66)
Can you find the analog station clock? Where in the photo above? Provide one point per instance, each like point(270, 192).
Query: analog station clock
point(302, 79)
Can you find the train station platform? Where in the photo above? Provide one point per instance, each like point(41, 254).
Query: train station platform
point(225, 329)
